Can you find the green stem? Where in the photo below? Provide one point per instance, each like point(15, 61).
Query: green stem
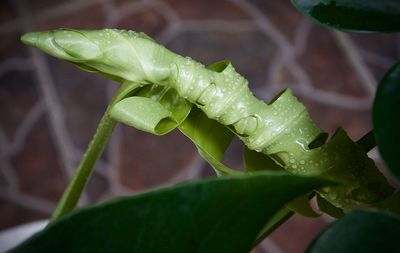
point(103, 133)
point(74, 190)
point(367, 142)
point(279, 218)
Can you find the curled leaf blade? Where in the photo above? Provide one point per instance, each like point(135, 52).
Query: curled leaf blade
point(210, 137)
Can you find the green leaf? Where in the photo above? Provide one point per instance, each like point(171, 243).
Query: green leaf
point(360, 231)
point(153, 108)
point(211, 139)
point(256, 161)
point(386, 120)
point(302, 206)
point(353, 15)
point(328, 208)
point(143, 114)
point(215, 215)
point(391, 204)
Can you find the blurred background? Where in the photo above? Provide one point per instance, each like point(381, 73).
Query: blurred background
point(49, 109)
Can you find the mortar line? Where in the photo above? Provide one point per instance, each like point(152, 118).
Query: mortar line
point(48, 13)
point(56, 117)
point(23, 129)
point(29, 202)
point(15, 64)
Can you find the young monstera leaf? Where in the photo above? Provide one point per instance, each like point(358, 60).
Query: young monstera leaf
point(281, 129)
point(353, 15)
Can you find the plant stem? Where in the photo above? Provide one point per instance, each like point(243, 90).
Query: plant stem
point(367, 142)
point(279, 218)
point(96, 146)
point(74, 190)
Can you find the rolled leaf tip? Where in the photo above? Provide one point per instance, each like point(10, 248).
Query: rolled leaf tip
point(30, 38)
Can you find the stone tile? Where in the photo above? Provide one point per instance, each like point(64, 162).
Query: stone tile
point(207, 9)
point(356, 123)
point(17, 96)
point(149, 22)
point(7, 11)
point(249, 52)
point(147, 161)
point(11, 46)
point(258, 250)
point(38, 5)
point(83, 96)
point(297, 233)
point(37, 167)
point(282, 14)
point(233, 156)
point(3, 180)
point(13, 214)
point(327, 66)
point(282, 79)
point(121, 4)
point(207, 171)
point(96, 187)
point(77, 19)
point(384, 44)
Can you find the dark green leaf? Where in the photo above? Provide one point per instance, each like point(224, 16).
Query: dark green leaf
point(391, 204)
point(386, 119)
point(353, 15)
point(215, 215)
point(360, 231)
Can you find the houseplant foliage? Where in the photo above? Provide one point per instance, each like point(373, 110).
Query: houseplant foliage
point(287, 158)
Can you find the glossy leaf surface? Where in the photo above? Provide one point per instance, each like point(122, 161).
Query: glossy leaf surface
point(153, 109)
point(360, 231)
point(386, 119)
point(215, 215)
point(353, 15)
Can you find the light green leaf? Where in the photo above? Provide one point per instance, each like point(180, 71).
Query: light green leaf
point(154, 109)
point(360, 231)
point(143, 114)
point(210, 137)
point(215, 215)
